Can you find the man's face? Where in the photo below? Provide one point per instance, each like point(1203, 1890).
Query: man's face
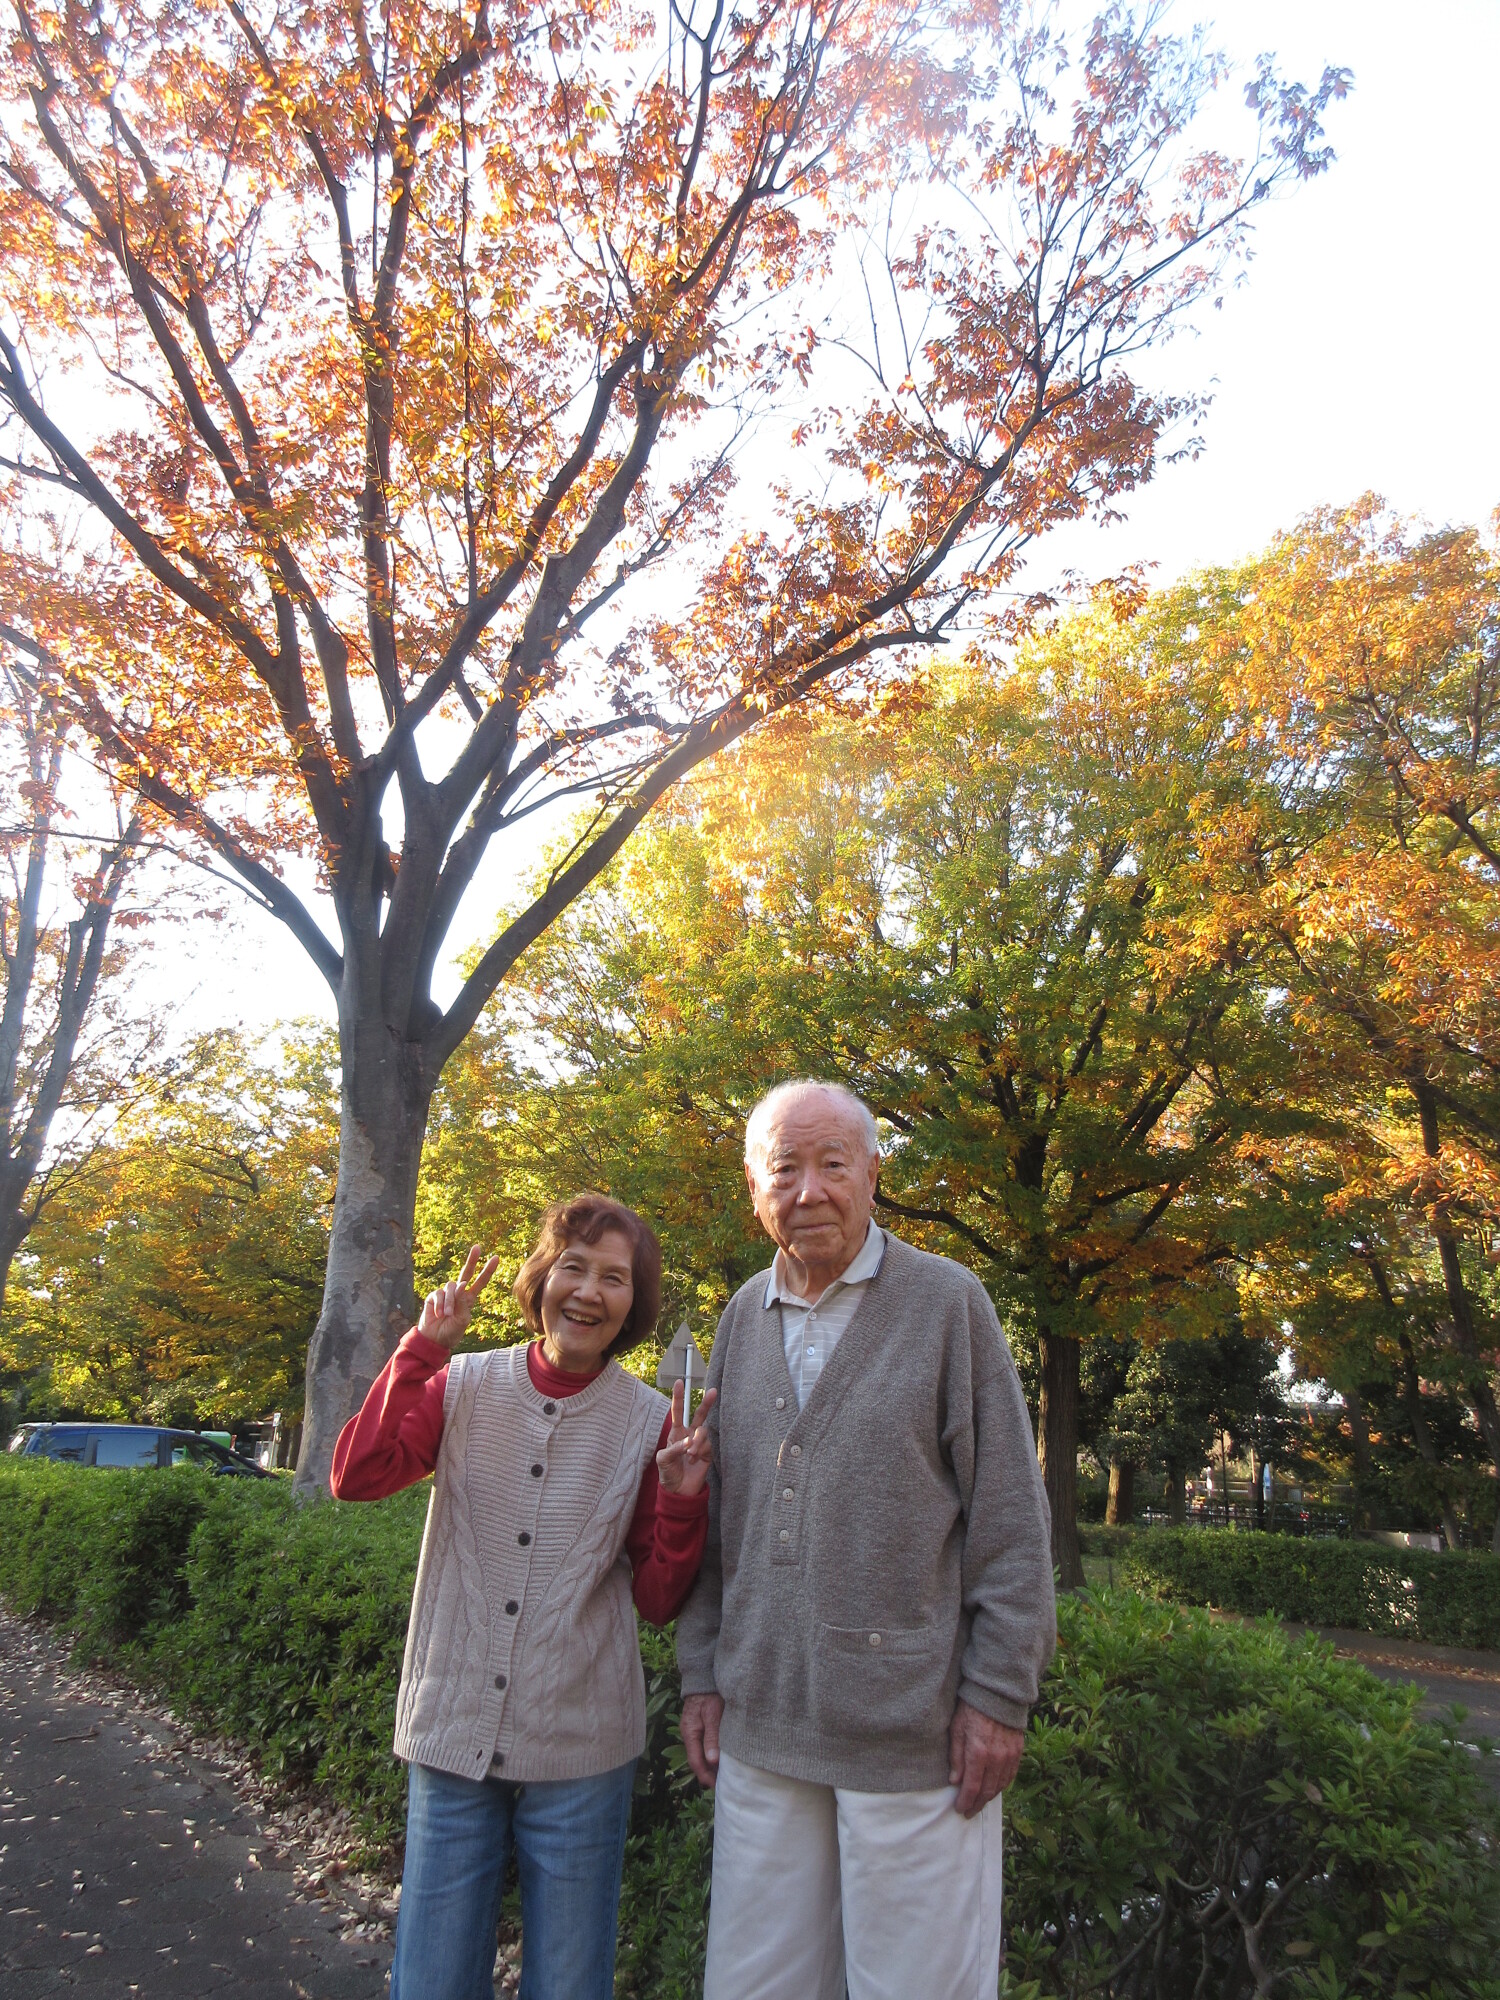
point(814, 1184)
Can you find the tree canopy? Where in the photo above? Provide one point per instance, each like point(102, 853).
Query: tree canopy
point(407, 358)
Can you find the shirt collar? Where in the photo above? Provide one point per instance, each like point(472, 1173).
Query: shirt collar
point(868, 1260)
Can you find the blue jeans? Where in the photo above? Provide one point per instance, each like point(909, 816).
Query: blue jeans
point(569, 1838)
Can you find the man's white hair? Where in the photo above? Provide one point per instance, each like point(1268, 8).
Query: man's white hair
point(758, 1123)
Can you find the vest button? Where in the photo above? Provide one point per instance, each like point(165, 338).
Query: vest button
point(536, 1472)
point(511, 1606)
point(499, 1680)
point(550, 1409)
point(523, 1538)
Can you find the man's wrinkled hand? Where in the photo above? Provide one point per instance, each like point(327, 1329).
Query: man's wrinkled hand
point(983, 1757)
point(701, 1714)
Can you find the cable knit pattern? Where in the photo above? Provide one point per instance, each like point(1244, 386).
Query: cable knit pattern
point(521, 1653)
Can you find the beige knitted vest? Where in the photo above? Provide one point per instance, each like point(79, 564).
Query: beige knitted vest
point(521, 1653)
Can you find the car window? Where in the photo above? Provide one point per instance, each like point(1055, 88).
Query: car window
point(197, 1451)
point(125, 1447)
point(65, 1442)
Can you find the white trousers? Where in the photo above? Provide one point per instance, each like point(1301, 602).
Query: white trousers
point(890, 1891)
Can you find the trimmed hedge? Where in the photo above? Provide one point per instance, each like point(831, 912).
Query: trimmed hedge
point(279, 1624)
point(1202, 1808)
point(1448, 1600)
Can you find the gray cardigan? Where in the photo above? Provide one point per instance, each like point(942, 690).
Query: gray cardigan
point(880, 1554)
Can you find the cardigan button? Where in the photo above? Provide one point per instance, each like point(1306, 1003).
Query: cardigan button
point(499, 1680)
point(796, 1451)
point(549, 1409)
point(787, 1493)
point(511, 1606)
point(523, 1538)
point(536, 1472)
point(786, 1534)
point(874, 1638)
point(781, 1402)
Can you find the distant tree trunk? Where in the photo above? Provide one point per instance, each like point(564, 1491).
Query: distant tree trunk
point(1359, 1432)
point(1411, 1383)
point(1359, 1436)
point(33, 1086)
point(1176, 1495)
point(1258, 1474)
point(1120, 1510)
point(1057, 1450)
point(368, 1296)
point(1465, 1337)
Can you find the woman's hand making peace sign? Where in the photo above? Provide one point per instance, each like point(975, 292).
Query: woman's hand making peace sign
point(447, 1311)
point(683, 1461)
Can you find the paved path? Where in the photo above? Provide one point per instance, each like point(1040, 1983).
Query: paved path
point(128, 1868)
point(1449, 1676)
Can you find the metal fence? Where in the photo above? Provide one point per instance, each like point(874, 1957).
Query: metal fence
point(1282, 1517)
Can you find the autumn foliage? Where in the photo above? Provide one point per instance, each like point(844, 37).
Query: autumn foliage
point(391, 372)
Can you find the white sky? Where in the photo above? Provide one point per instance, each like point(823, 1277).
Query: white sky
point(1359, 354)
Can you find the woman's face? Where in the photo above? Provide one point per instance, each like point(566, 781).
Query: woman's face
point(586, 1300)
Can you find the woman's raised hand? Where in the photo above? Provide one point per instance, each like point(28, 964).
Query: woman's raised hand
point(683, 1461)
point(446, 1312)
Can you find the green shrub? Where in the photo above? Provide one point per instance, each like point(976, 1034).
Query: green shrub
point(104, 1551)
point(1197, 1800)
point(1448, 1600)
point(1212, 1809)
point(295, 1636)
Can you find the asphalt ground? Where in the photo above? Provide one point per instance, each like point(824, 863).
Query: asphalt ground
point(127, 1867)
point(1449, 1677)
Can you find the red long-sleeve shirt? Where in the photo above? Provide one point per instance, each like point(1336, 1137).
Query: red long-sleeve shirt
point(394, 1440)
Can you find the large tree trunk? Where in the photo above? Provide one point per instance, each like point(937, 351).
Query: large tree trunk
point(1119, 1511)
point(1177, 1495)
point(368, 1296)
point(1057, 1449)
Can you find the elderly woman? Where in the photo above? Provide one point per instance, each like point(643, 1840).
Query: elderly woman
point(564, 1487)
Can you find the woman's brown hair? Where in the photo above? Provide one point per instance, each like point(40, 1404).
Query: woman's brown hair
point(585, 1219)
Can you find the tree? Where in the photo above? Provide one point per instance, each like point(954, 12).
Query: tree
point(1373, 652)
point(407, 356)
point(178, 1279)
point(1181, 1395)
point(56, 1058)
point(988, 916)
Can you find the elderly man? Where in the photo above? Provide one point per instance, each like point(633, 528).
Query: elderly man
point(875, 1608)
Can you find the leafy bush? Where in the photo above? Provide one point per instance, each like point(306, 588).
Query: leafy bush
point(295, 1636)
point(103, 1551)
point(1448, 1600)
point(664, 1896)
point(1206, 1808)
point(1202, 1808)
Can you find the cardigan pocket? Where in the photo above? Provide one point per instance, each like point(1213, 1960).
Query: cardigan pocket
point(873, 1681)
